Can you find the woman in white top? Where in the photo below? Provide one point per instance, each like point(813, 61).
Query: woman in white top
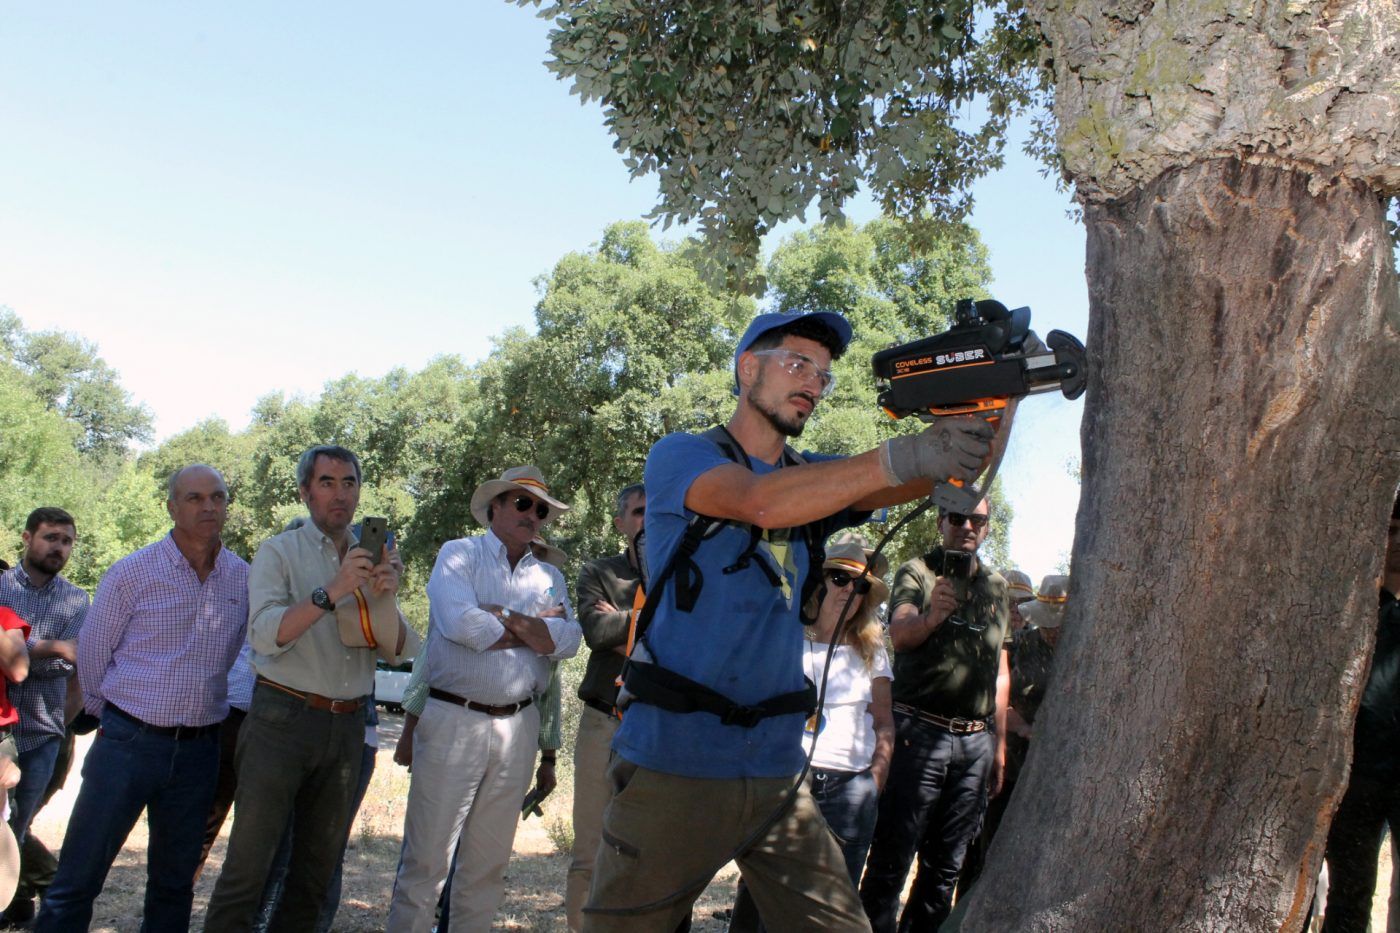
point(855, 728)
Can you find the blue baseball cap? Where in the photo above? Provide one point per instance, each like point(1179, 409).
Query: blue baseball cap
point(776, 319)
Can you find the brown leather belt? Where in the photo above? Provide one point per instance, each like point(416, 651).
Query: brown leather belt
point(510, 709)
point(953, 724)
point(315, 700)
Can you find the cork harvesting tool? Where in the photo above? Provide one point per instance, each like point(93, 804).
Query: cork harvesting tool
point(982, 366)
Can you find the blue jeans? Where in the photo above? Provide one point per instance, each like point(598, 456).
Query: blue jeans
point(276, 879)
point(36, 768)
point(129, 770)
point(932, 806)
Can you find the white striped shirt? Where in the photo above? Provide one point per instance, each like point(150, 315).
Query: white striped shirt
point(469, 573)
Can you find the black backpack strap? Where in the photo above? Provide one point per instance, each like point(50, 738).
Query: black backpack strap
point(676, 693)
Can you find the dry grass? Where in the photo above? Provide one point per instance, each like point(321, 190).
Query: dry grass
point(534, 881)
point(534, 899)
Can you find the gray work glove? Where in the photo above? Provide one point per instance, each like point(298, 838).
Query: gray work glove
point(950, 448)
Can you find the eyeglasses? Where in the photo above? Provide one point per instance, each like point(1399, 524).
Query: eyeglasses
point(802, 367)
point(958, 519)
point(841, 578)
point(523, 503)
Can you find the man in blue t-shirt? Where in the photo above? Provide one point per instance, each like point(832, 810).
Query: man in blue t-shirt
point(691, 789)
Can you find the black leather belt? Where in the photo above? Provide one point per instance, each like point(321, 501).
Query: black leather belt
point(954, 724)
point(179, 733)
point(510, 709)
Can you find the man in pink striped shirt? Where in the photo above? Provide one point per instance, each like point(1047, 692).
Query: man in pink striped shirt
point(153, 662)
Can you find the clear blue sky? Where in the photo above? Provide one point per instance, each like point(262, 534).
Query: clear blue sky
point(218, 194)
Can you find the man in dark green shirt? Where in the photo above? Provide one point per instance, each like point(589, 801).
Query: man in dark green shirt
point(951, 684)
point(606, 588)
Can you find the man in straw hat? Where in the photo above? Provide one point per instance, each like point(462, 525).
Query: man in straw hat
point(725, 626)
point(300, 748)
point(948, 622)
point(498, 619)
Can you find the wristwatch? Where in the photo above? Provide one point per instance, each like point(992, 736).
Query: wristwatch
point(322, 600)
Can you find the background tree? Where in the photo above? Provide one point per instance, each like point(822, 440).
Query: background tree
point(1234, 161)
point(68, 376)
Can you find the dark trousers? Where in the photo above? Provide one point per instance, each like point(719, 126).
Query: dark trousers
point(127, 770)
point(227, 783)
point(291, 760)
point(848, 802)
point(272, 894)
point(1353, 846)
point(932, 806)
point(37, 865)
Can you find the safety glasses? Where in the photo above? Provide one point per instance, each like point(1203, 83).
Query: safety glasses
point(803, 368)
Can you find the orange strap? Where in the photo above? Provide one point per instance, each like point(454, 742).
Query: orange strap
point(365, 627)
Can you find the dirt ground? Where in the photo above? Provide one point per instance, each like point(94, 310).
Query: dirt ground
point(534, 881)
point(534, 896)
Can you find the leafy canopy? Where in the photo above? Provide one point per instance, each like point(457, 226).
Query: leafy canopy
point(749, 112)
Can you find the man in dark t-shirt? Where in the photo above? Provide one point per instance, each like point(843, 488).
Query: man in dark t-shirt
point(951, 684)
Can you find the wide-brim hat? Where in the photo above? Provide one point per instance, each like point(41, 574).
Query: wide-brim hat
point(850, 554)
point(369, 620)
point(775, 319)
point(1018, 586)
point(548, 553)
point(525, 479)
point(1048, 610)
point(9, 863)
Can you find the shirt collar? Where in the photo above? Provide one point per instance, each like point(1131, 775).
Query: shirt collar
point(313, 534)
point(498, 547)
point(173, 553)
point(23, 576)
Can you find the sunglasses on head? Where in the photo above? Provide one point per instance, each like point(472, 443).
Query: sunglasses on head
point(958, 519)
point(842, 578)
point(523, 503)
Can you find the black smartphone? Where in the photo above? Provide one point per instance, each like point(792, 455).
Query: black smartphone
point(374, 532)
point(957, 565)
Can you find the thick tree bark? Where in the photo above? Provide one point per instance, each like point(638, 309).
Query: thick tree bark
point(1240, 461)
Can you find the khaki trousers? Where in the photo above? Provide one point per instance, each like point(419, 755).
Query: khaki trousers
point(470, 773)
point(592, 749)
point(661, 832)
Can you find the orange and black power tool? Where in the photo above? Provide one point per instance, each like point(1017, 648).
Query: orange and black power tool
point(983, 365)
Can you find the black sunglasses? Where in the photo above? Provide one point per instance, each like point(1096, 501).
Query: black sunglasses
point(523, 503)
point(958, 519)
point(842, 578)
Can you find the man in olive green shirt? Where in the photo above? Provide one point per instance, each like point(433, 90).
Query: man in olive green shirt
point(301, 746)
point(951, 686)
point(606, 588)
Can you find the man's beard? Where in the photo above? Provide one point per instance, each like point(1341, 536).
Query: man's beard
point(49, 563)
point(788, 427)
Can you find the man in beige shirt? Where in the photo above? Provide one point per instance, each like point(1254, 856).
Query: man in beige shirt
point(299, 753)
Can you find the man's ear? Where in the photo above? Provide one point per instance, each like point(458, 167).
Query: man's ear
point(748, 368)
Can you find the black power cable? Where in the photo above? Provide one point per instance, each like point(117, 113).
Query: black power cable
point(701, 881)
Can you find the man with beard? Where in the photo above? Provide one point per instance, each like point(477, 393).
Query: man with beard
point(948, 623)
point(54, 609)
point(711, 740)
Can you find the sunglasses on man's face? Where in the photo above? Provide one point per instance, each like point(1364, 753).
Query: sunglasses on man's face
point(958, 519)
point(840, 578)
point(523, 503)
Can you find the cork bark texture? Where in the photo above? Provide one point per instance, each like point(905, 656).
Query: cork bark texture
point(1141, 87)
point(1240, 461)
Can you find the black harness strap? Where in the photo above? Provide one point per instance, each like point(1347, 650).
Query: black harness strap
point(651, 683)
point(654, 684)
